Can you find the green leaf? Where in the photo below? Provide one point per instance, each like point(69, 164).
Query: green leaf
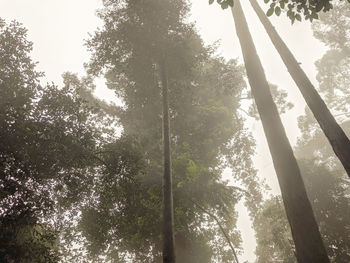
point(266, 1)
point(298, 17)
point(282, 4)
point(211, 1)
point(270, 12)
point(230, 2)
point(224, 5)
point(180, 184)
point(278, 10)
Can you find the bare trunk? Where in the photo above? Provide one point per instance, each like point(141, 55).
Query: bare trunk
point(334, 133)
point(168, 217)
point(306, 236)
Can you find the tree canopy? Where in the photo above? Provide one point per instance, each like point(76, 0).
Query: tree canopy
point(81, 179)
point(46, 144)
point(295, 9)
point(204, 93)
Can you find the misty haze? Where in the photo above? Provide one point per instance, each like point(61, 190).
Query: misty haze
point(187, 131)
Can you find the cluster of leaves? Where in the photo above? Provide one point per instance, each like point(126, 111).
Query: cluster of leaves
point(279, 97)
point(333, 76)
point(296, 9)
point(333, 29)
point(47, 140)
point(70, 189)
point(223, 3)
point(327, 191)
point(204, 93)
point(274, 238)
point(24, 239)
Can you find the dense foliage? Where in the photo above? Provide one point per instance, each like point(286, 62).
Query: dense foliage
point(80, 179)
point(327, 191)
point(71, 189)
point(295, 9)
point(206, 131)
point(47, 139)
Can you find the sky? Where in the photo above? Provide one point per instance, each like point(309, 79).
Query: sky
point(58, 29)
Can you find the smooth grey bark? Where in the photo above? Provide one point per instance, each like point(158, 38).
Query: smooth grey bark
point(334, 133)
point(168, 216)
point(307, 239)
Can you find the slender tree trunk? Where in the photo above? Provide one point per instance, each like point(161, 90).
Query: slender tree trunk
point(168, 216)
point(306, 236)
point(334, 133)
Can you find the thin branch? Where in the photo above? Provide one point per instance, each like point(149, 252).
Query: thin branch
point(249, 115)
point(109, 168)
point(240, 189)
point(341, 114)
point(245, 98)
point(221, 228)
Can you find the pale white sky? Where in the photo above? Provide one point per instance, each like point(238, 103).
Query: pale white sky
point(58, 29)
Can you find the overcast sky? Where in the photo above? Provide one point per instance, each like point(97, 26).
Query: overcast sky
point(58, 29)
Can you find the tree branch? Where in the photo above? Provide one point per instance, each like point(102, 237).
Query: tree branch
point(220, 226)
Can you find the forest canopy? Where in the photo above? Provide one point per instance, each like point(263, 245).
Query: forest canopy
point(82, 179)
point(295, 9)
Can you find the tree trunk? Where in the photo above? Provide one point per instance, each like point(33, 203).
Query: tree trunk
point(168, 216)
point(334, 133)
point(306, 236)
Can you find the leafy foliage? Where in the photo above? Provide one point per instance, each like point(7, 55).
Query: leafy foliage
point(274, 239)
point(327, 191)
point(333, 77)
point(47, 139)
point(333, 29)
point(295, 9)
point(204, 94)
point(279, 97)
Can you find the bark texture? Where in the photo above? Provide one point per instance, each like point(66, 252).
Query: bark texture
point(334, 133)
point(168, 216)
point(306, 236)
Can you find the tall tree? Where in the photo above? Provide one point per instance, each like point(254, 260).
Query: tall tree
point(204, 95)
point(168, 215)
point(335, 134)
point(46, 150)
point(308, 242)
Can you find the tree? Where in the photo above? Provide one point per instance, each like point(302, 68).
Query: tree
point(333, 30)
point(204, 94)
point(327, 190)
point(46, 143)
point(168, 215)
point(336, 136)
point(308, 242)
point(333, 78)
point(273, 236)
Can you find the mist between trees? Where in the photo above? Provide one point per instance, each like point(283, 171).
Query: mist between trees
point(83, 180)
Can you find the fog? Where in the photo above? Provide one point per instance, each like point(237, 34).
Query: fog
point(86, 170)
